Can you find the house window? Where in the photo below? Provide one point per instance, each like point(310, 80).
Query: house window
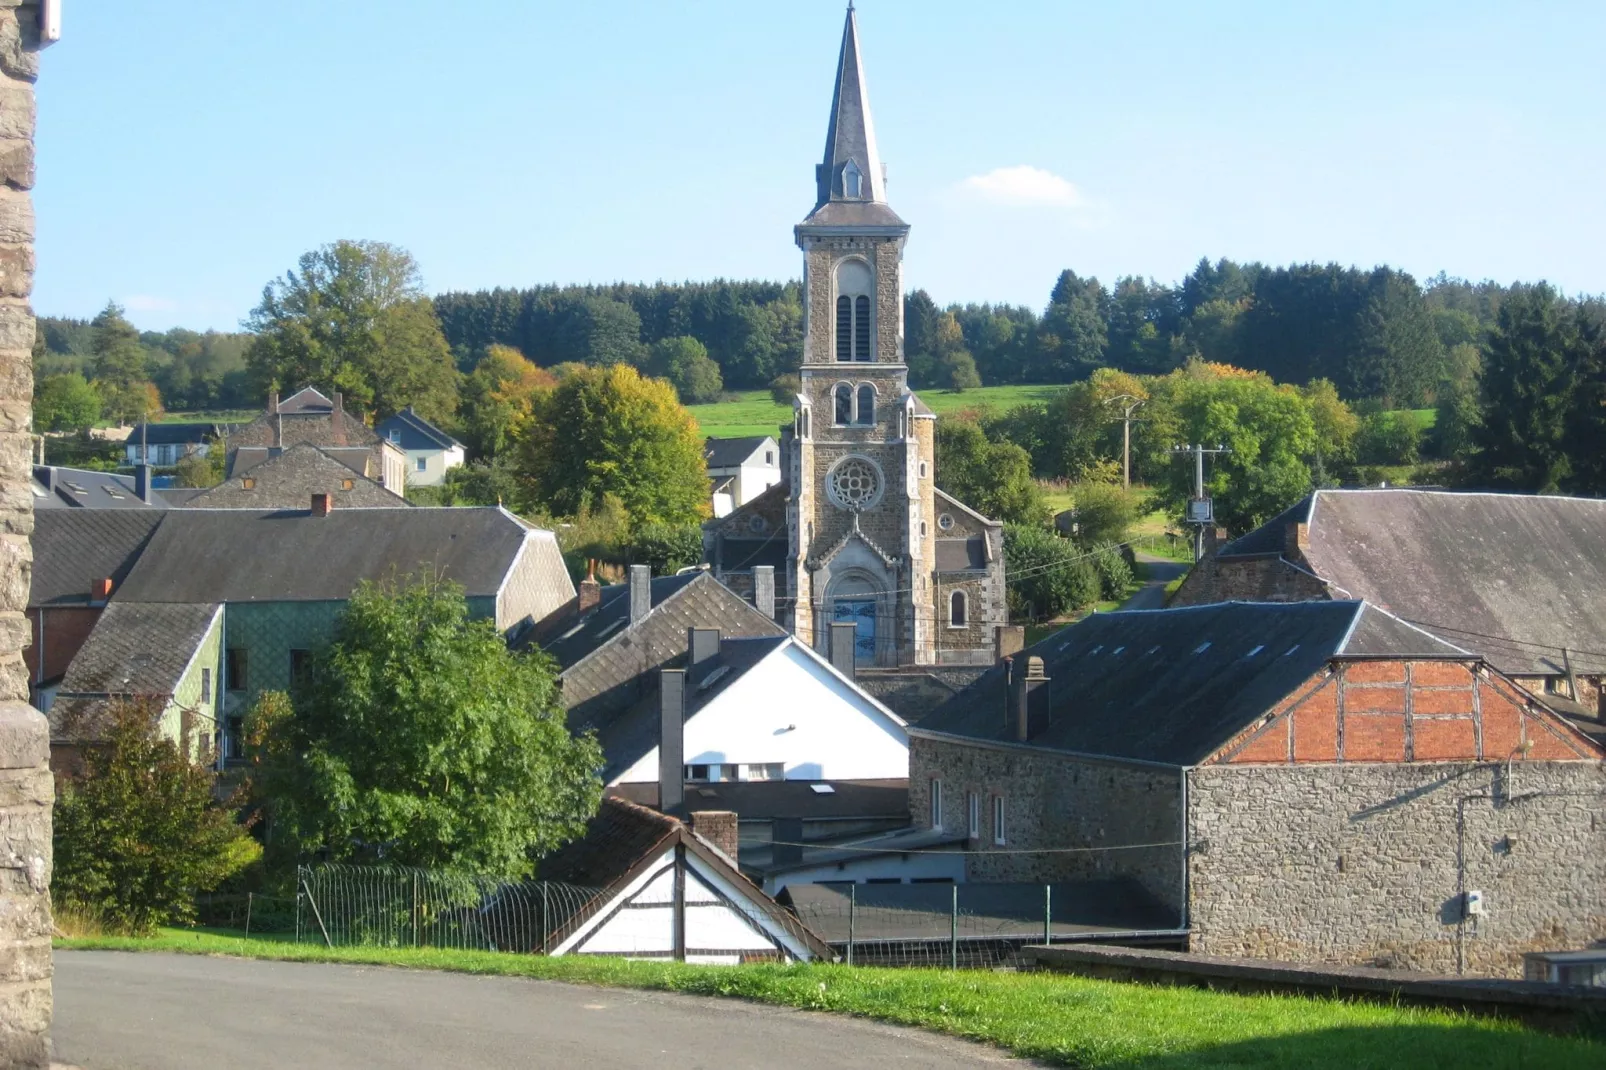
point(936, 803)
point(206, 685)
point(844, 403)
point(764, 771)
point(395, 435)
point(922, 469)
point(234, 669)
point(973, 816)
point(697, 772)
point(866, 413)
point(998, 820)
point(769, 456)
point(422, 464)
point(945, 521)
point(958, 610)
point(300, 667)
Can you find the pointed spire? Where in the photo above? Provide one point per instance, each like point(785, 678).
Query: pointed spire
point(852, 167)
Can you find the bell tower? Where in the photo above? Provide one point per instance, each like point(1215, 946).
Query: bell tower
point(859, 515)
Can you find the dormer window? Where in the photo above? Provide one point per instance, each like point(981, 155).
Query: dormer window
point(852, 181)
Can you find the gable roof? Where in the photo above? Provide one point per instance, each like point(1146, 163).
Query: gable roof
point(139, 648)
point(850, 137)
point(730, 452)
point(72, 548)
point(769, 799)
point(966, 554)
point(1172, 685)
point(957, 504)
point(287, 479)
point(55, 487)
point(307, 399)
point(248, 555)
point(176, 434)
point(417, 433)
point(1515, 577)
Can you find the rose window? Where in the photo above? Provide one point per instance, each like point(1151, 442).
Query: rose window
point(854, 483)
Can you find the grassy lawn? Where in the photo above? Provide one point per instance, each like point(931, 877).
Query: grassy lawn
point(754, 412)
point(1067, 1021)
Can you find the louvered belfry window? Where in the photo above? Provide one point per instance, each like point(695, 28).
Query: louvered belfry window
point(861, 328)
point(844, 328)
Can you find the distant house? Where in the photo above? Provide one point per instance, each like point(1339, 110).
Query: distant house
point(1316, 781)
point(664, 890)
point(55, 487)
point(431, 452)
point(281, 576)
point(740, 469)
point(307, 416)
point(1519, 579)
point(291, 480)
point(165, 444)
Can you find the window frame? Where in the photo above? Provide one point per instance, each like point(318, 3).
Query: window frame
point(973, 815)
point(236, 669)
point(936, 803)
point(206, 684)
point(860, 417)
point(1000, 837)
point(961, 599)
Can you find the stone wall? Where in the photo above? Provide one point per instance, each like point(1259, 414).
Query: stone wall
point(1366, 864)
point(289, 481)
point(1260, 578)
point(1052, 802)
point(26, 790)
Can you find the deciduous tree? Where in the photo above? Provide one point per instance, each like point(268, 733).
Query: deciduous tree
point(64, 403)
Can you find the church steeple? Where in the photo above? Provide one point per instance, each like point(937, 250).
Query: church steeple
point(852, 167)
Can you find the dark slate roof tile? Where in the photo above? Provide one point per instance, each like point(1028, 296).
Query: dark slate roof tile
point(416, 433)
point(730, 452)
point(139, 648)
point(615, 840)
point(72, 548)
point(961, 555)
point(770, 799)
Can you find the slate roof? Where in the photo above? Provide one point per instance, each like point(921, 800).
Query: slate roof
point(72, 548)
point(417, 433)
point(55, 487)
point(246, 555)
point(961, 555)
point(760, 800)
point(613, 842)
point(732, 452)
point(1514, 577)
point(139, 648)
point(167, 434)
point(590, 632)
point(851, 133)
point(307, 399)
point(742, 554)
point(1173, 685)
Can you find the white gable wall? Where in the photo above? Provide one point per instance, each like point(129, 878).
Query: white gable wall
point(793, 709)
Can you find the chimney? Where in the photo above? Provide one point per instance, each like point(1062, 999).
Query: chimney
point(590, 591)
point(100, 591)
point(1008, 640)
point(337, 425)
point(702, 654)
point(1028, 696)
point(322, 504)
point(273, 403)
point(142, 483)
point(46, 475)
point(671, 739)
point(340, 403)
point(1296, 540)
point(719, 828)
point(844, 634)
point(640, 592)
point(764, 590)
point(1214, 538)
point(787, 849)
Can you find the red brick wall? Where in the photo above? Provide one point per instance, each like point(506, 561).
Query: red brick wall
point(1407, 711)
point(65, 629)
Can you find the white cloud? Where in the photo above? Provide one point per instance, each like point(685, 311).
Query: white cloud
point(1026, 186)
point(147, 303)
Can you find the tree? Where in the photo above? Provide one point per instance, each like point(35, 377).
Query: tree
point(994, 478)
point(1048, 576)
point(1585, 437)
point(684, 361)
point(784, 388)
point(498, 396)
point(666, 548)
point(1530, 376)
point(64, 403)
point(610, 431)
point(1074, 331)
point(353, 318)
point(1104, 512)
point(920, 324)
point(196, 469)
point(139, 832)
point(117, 362)
point(420, 739)
point(1336, 426)
point(957, 371)
point(599, 331)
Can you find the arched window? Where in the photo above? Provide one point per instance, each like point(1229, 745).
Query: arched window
point(958, 610)
point(844, 403)
point(852, 180)
point(866, 404)
point(854, 284)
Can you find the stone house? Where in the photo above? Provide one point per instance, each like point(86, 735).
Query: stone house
point(1316, 781)
point(290, 480)
point(310, 417)
point(431, 452)
point(1519, 579)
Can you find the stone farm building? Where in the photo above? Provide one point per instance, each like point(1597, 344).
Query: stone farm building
point(1317, 781)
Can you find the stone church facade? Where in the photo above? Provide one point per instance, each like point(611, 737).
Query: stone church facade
point(858, 531)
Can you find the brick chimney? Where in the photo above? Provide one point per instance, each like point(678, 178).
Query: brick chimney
point(671, 739)
point(100, 591)
point(844, 636)
point(764, 590)
point(273, 403)
point(640, 591)
point(1028, 696)
point(589, 593)
point(322, 503)
point(337, 421)
point(719, 828)
point(1296, 541)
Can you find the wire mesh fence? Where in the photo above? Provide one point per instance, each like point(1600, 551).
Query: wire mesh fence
point(394, 906)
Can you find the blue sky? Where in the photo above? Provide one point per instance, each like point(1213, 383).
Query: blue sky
point(190, 151)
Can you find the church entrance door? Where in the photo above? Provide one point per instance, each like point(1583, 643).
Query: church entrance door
point(861, 611)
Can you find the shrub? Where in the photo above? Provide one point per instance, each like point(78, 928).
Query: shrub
point(139, 833)
point(1390, 438)
point(666, 548)
point(1115, 575)
point(784, 388)
point(1104, 512)
point(1048, 575)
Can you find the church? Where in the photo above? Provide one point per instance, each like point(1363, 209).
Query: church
point(858, 530)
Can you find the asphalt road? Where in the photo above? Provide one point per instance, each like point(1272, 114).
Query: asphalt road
point(1162, 570)
point(138, 1011)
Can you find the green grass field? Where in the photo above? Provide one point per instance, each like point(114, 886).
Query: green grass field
point(1066, 1021)
point(755, 412)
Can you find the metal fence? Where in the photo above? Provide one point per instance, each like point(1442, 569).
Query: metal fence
point(394, 906)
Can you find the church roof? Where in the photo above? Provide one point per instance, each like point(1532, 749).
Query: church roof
point(850, 148)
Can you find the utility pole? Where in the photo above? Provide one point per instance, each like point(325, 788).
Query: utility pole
point(1126, 434)
point(1201, 510)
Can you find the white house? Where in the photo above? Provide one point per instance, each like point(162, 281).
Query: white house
point(431, 452)
point(740, 469)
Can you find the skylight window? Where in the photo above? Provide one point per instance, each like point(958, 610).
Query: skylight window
point(1151, 650)
point(1116, 651)
point(1202, 647)
point(1095, 650)
point(1255, 651)
point(714, 677)
point(1290, 650)
point(610, 629)
point(822, 789)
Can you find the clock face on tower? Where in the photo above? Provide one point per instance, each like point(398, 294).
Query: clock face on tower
point(854, 483)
